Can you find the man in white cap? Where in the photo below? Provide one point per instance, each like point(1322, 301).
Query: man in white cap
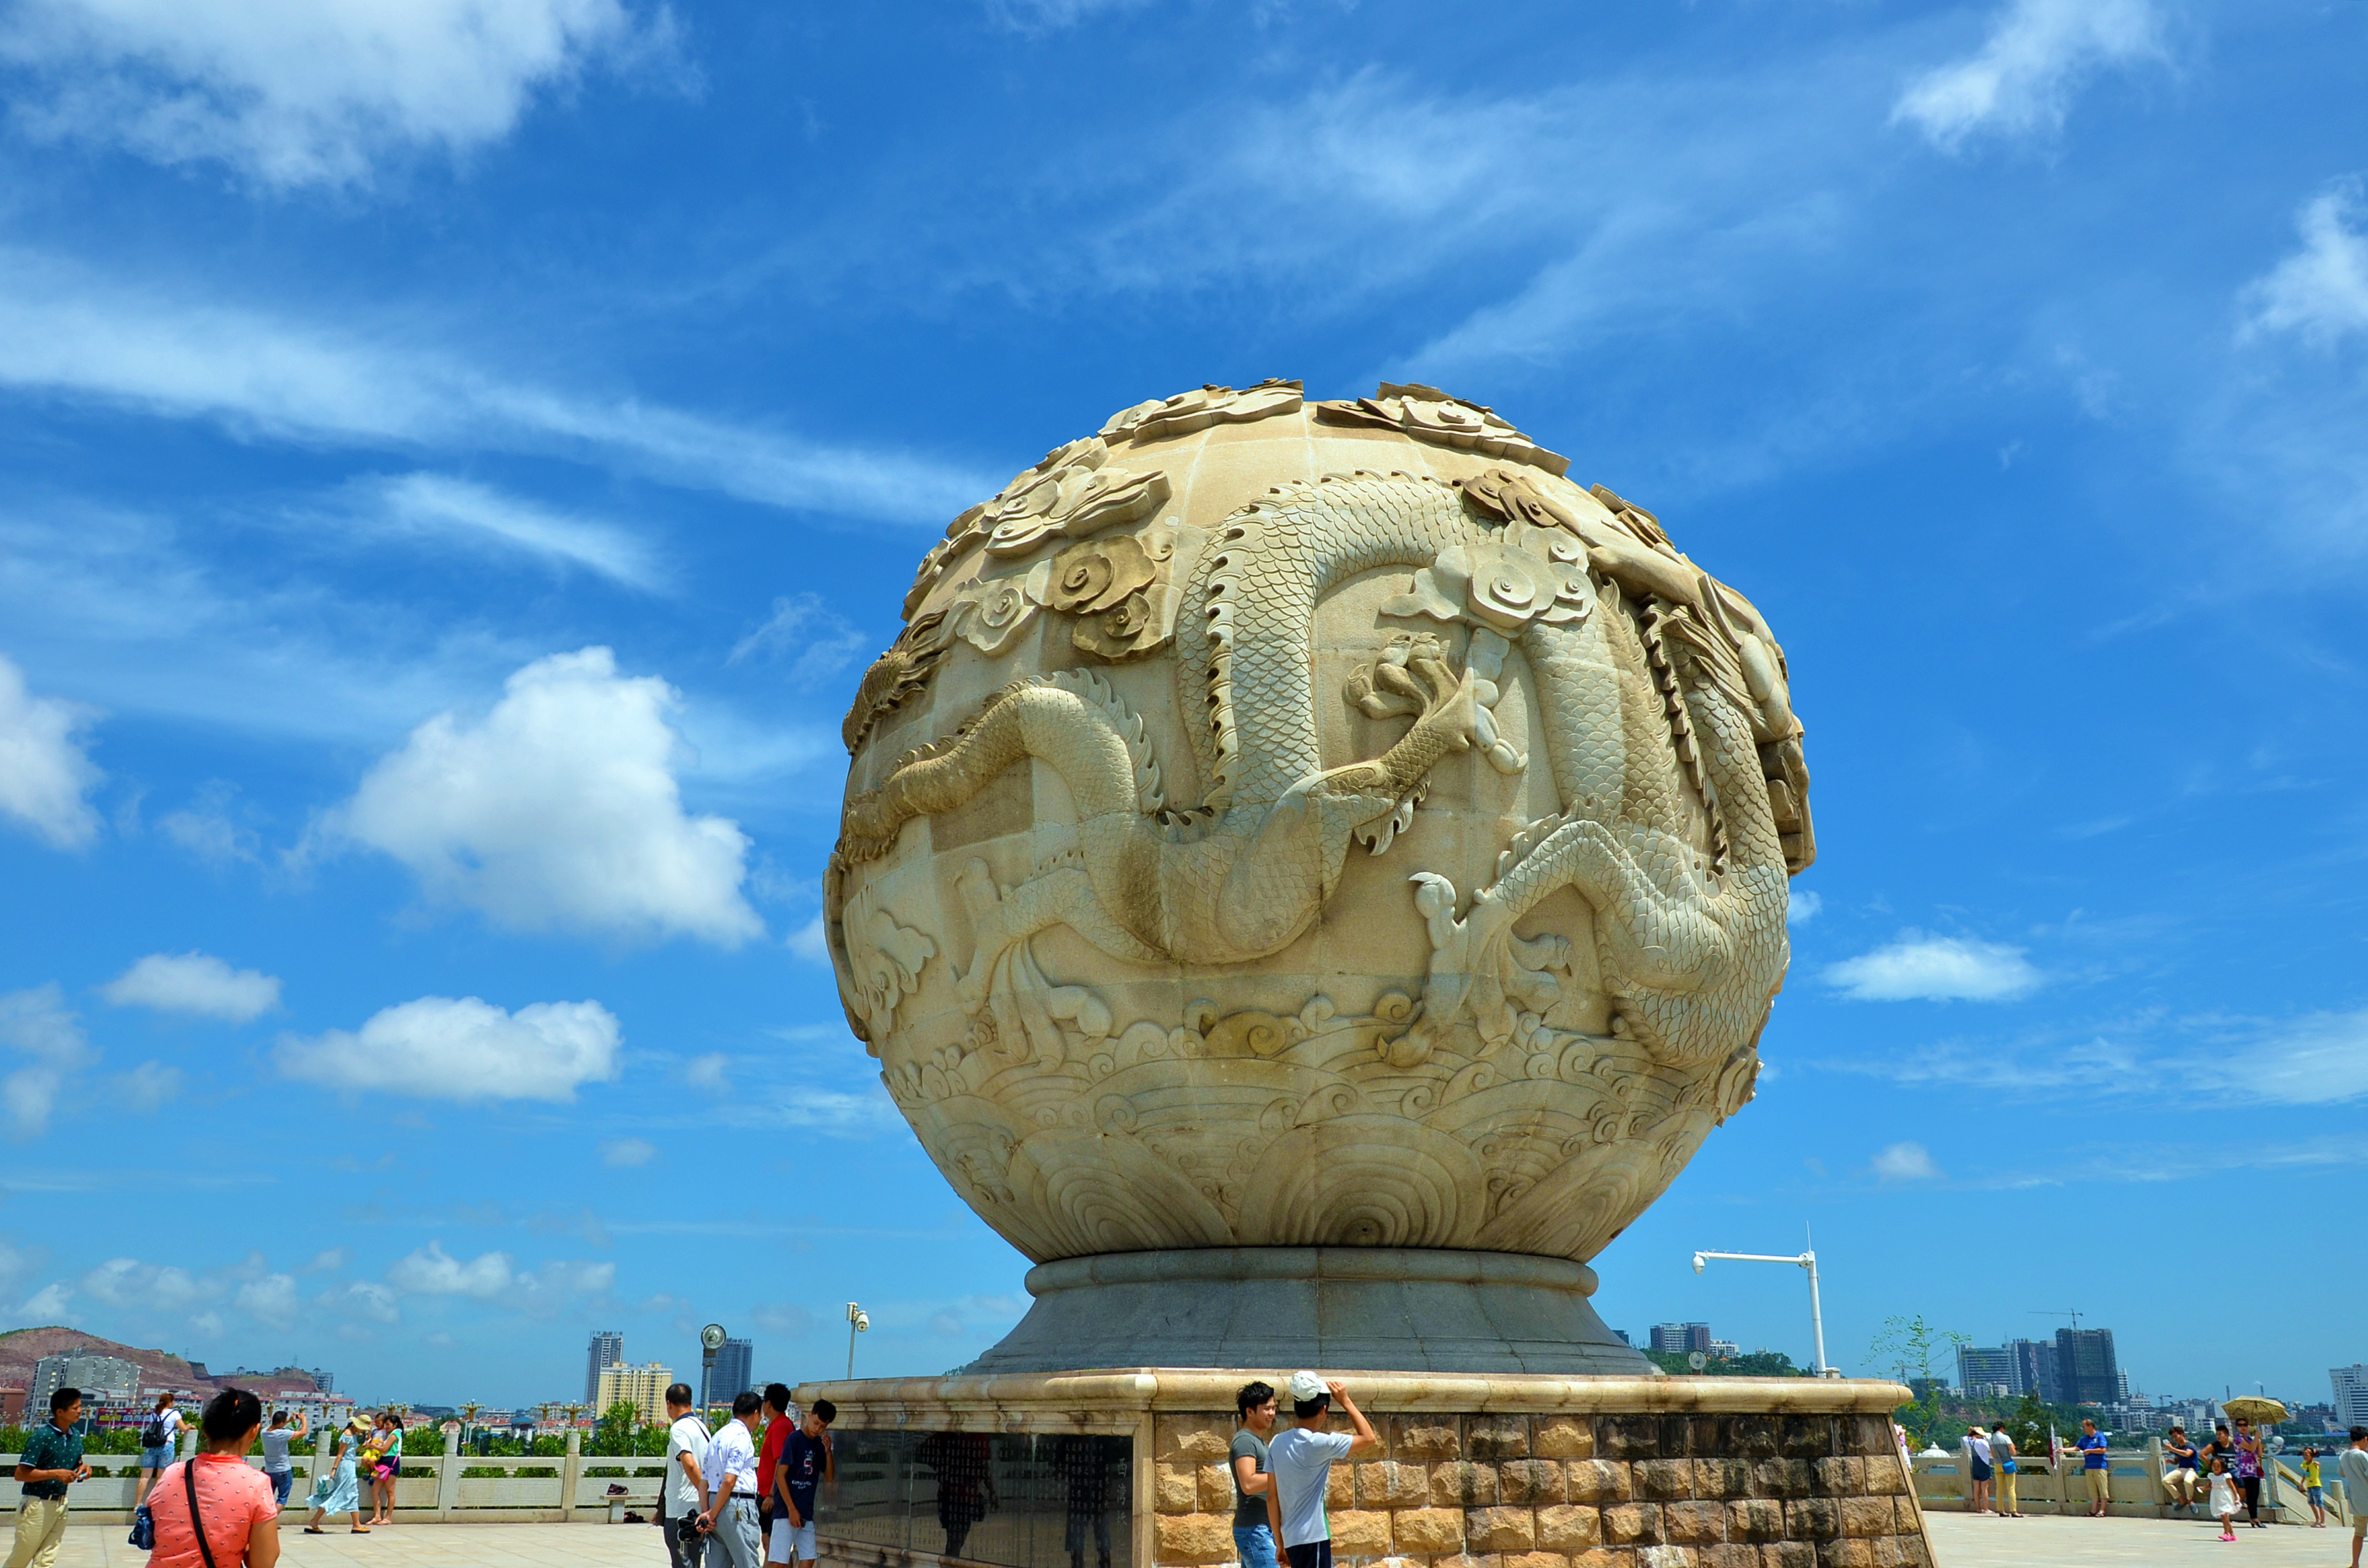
point(1301, 1461)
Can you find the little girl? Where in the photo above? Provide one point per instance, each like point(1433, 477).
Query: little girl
point(2223, 1499)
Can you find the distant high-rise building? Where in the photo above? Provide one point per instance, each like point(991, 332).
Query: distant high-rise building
point(643, 1387)
point(734, 1371)
point(607, 1349)
point(1985, 1370)
point(1623, 1337)
point(1677, 1338)
point(2083, 1361)
point(1727, 1348)
point(325, 1380)
point(2351, 1394)
point(2034, 1370)
point(103, 1380)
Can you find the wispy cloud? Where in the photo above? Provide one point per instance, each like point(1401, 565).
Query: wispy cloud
point(45, 773)
point(2321, 292)
point(67, 334)
point(459, 510)
point(2021, 82)
point(303, 92)
point(1904, 1162)
point(36, 1024)
point(1918, 967)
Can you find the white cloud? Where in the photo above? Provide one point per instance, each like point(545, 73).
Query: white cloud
point(560, 810)
point(271, 1299)
point(436, 1048)
point(626, 1153)
point(2321, 290)
point(810, 942)
point(361, 1298)
point(1935, 969)
point(1802, 908)
point(207, 832)
point(431, 1271)
point(130, 1285)
point(49, 1304)
point(194, 983)
point(711, 1073)
point(62, 332)
point(301, 91)
point(1906, 1162)
point(149, 1087)
point(329, 1261)
point(37, 1023)
point(546, 1290)
point(2022, 80)
point(44, 772)
point(2320, 1058)
point(464, 511)
point(1045, 16)
point(823, 642)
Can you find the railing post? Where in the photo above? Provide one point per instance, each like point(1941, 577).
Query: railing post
point(447, 1477)
point(2154, 1477)
point(570, 1474)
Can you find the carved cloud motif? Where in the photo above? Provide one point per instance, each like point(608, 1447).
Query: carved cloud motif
point(1069, 495)
point(884, 959)
point(1502, 584)
point(1431, 414)
point(1188, 411)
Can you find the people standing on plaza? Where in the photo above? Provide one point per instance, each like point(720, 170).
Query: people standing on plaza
point(684, 1491)
point(277, 1465)
point(2181, 1479)
point(781, 1420)
point(2249, 1471)
point(2352, 1465)
point(731, 1504)
point(214, 1493)
point(1252, 1539)
point(1978, 1469)
point(50, 1461)
point(1301, 1460)
point(2223, 1498)
point(2008, 1504)
point(2092, 1446)
point(387, 1467)
point(340, 1491)
point(805, 1464)
point(2314, 1489)
point(158, 1435)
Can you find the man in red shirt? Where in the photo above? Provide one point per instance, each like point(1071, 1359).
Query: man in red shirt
point(780, 1422)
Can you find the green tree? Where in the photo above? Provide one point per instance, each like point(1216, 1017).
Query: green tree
point(1907, 1346)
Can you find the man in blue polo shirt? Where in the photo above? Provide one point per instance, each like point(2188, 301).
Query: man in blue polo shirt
point(2093, 1470)
point(50, 1462)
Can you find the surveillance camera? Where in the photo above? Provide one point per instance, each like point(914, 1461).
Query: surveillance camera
point(863, 1323)
point(1698, 1263)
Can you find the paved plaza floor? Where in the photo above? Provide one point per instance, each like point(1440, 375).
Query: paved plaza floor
point(1962, 1542)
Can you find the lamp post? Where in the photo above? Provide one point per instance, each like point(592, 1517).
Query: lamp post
point(711, 1340)
point(858, 1322)
point(1807, 1262)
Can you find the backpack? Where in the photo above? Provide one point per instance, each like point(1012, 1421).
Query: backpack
point(152, 1435)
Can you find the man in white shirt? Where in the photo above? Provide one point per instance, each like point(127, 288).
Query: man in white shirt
point(683, 1492)
point(731, 1467)
point(1300, 1464)
point(2353, 1467)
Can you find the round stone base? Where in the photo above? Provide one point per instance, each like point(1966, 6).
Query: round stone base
point(1345, 1307)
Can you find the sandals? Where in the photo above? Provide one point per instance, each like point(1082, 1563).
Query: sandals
point(314, 1529)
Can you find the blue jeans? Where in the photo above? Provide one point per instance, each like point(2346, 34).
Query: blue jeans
point(1256, 1543)
point(156, 1457)
point(281, 1479)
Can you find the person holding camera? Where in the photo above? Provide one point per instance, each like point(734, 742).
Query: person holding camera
point(684, 1491)
point(731, 1468)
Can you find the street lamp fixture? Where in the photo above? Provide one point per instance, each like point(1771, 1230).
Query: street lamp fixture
point(1807, 1262)
point(858, 1322)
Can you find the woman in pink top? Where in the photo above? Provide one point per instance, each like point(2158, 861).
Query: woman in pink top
point(234, 1503)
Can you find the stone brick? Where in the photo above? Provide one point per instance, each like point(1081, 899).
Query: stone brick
point(1755, 1519)
point(1748, 1436)
point(1340, 1488)
point(1667, 1557)
point(1806, 1436)
point(1845, 1554)
point(1867, 1434)
point(1497, 1438)
point(1199, 1438)
point(1174, 1490)
point(1722, 1478)
point(1427, 1532)
point(1468, 1560)
point(1424, 1438)
point(1462, 1485)
point(1392, 1483)
point(1359, 1532)
point(1897, 1552)
point(1569, 1528)
point(1501, 1529)
point(1884, 1477)
point(1868, 1515)
point(1728, 1556)
point(1530, 1482)
point(1216, 1489)
point(1911, 1518)
point(1788, 1554)
point(1603, 1557)
point(1780, 1478)
point(1628, 1437)
point(1597, 1481)
point(1694, 1524)
point(1633, 1524)
point(1535, 1559)
point(1837, 1477)
point(1661, 1479)
point(1189, 1539)
point(1562, 1438)
point(1813, 1519)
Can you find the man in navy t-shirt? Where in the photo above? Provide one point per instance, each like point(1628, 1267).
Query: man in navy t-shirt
point(805, 1464)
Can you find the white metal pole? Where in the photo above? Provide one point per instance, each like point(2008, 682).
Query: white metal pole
point(1817, 1313)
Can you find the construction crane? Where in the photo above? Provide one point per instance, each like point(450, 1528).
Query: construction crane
point(2067, 1313)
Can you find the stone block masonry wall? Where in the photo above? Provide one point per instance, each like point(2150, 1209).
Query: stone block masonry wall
point(1575, 1491)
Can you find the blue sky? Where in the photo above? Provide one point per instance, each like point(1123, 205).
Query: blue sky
point(455, 460)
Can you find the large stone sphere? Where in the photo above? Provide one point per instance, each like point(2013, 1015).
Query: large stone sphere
point(1288, 824)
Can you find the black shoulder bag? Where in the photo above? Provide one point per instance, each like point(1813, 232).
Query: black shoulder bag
point(197, 1521)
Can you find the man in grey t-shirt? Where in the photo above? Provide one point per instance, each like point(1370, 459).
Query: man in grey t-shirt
point(1247, 1460)
point(277, 1465)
